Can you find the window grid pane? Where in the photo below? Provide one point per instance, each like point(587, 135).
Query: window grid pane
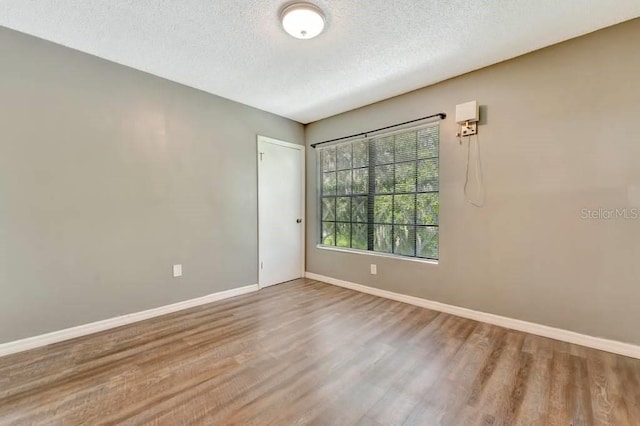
point(382, 194)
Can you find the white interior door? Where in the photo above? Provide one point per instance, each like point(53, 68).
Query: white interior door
point(280, 211)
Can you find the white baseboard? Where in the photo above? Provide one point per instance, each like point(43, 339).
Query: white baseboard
point(94, 327)
point(607, 345)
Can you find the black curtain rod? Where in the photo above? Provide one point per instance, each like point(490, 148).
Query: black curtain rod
point(442, 116)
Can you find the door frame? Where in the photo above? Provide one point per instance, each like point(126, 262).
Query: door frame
point(301, 149)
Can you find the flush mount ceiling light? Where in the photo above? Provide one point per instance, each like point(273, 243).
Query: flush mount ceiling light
point(302, 20)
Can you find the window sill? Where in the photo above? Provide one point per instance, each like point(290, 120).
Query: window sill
point(377, 254)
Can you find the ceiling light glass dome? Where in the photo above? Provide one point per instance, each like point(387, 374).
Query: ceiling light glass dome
point(302, 20)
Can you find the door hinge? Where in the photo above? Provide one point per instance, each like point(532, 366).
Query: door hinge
point(261, 265)
point(261, 154)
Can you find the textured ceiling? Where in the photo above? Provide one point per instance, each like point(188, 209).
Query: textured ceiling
point(370, 50)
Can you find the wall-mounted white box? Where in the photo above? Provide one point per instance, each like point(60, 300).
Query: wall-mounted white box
point(177, 270)
point(467, 112)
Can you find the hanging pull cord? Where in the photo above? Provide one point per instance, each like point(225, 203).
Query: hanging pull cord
point(479, 175)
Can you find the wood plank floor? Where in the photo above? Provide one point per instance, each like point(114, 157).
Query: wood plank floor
point(305, 352)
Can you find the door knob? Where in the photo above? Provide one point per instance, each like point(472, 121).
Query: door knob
point(298, 220)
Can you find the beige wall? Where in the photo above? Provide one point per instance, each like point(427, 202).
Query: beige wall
point(108, 176)
point(560, 136)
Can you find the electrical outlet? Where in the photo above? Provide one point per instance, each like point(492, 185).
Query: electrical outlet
point(469, 129)
point(177, 270)
point(374, 269)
